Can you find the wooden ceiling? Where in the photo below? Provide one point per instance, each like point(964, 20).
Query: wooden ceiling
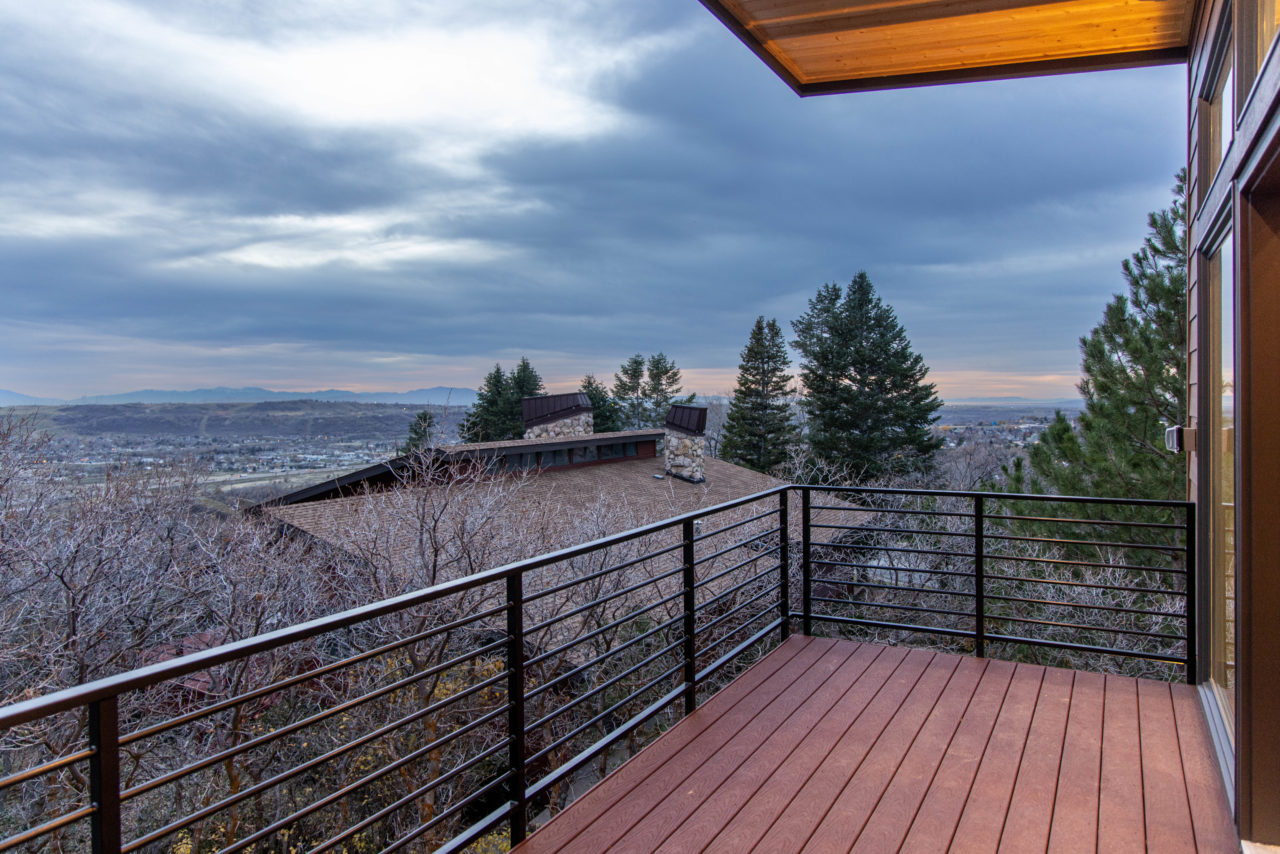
point(821, 46)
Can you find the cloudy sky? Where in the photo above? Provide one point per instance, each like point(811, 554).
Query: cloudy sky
point(393, 194)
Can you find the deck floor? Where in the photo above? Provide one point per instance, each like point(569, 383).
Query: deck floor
point(839, 746)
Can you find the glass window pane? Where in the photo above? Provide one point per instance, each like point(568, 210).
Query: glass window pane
point(1222, 466)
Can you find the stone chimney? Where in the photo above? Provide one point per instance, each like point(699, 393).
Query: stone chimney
point(552, 416)
point(683, 444)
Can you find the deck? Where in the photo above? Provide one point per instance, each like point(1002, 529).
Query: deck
point(839, 746)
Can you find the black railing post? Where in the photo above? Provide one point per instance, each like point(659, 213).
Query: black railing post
point(690, 603)
point(515, 705)
point(806, 569)
point(784, 557)
point(979, 580)
point(1193, 592)
point(104, 775)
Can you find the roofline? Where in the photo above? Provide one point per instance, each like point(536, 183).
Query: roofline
point(474, 451)
point(1039, 68)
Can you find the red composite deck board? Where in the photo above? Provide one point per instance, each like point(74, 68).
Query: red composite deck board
point(838, 746)
point(707, 821)
point(1075, 810)
point(935, 822)
point(811, 804)
point(1121, 814)
point(1210, 813)
point(683, 796)
point(890, 817)
point(1164, 790)
point(753, 820)
point(984, 813)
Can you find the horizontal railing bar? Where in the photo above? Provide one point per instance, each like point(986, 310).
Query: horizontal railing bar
point(772, 511)
point(1091, 585)
point(894, 549)
point(603, 744)
point(1080, 647)
point(727, 614)
point(738, 650)
point(468, 837)
point(271, 782)
point(616, 624)
point(610, 653)
point(864, 604)
point(311, 674)
point(955, 514)
point(586, 725)
point(924, 532)
point(1084, 628)
point(600, 573)
point(594, 603)
point(446, 814)
point(604, 686)
point(46, 828)
point(607, 627)
point(110, 686)
point(949, 573)
point(1095, 543)
point(334, 797)
point(47, 768)
point(410, 798)
point(267, 738)
point(741, 545)
point(772, 550)
point(1007, 496)
point(1115, 608)
point(770, 572)
point(1124, 567)
point(932, 591)
point(1172, 526)
point(737, 630)
point(857, 621)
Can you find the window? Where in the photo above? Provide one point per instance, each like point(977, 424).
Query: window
point(1222, 474)
point(1217, 121)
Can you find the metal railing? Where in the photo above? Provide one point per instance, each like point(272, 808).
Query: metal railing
point(464, 713)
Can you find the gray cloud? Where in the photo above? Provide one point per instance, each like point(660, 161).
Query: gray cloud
point(218, 230)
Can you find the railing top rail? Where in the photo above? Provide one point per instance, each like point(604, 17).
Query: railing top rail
point(1007, 496)
point(99, 689)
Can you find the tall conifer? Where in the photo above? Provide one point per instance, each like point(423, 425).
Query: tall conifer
point(1134, 385)
point(759, 430)
point(867, 404)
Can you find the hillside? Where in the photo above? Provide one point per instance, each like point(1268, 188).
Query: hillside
point(335, 421)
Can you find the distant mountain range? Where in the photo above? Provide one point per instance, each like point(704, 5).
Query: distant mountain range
point(1012, 400)
point(439, 395)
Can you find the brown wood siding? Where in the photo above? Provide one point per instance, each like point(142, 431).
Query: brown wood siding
point(829, 745)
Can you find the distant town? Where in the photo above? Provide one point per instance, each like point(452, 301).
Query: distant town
point(251, 451)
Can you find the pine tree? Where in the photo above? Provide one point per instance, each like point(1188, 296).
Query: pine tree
point(605, 416)
point(758, 431)
point(628, 391)
point(661, 388)
point(1134, 385)
point(867, 404)
point(422, 433)
point(497, 415)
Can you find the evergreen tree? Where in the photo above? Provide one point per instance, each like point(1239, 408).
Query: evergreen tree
point(488, 419)
point(660, 389)
point(422, 433)
point(605, 417)
point(867, 404)
point(1134, 385)
point(497, 414)
point(628, 391)
point(758, 430)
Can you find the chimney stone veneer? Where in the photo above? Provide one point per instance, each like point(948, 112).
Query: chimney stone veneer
point(580, 424)
point(684, 445)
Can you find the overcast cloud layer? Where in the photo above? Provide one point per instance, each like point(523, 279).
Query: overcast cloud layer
point(397, 194)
